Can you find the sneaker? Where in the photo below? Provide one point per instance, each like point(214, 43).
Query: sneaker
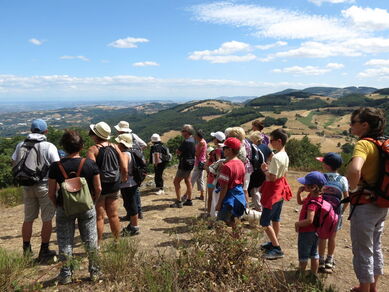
point(63, 280)
point(329, 264)
point(46, 255)
point(273, 254)
point(188, 203)
point(124, 218)
point(130, 231)
point(177, 204)
point(160, 192)
point(266, 246)
point(322, 266)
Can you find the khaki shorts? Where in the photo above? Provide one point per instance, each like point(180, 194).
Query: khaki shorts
point(183, 173)
point(113, 196)
point(35, 197)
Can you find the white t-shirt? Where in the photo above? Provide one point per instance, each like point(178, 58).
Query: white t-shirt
point(279, 164)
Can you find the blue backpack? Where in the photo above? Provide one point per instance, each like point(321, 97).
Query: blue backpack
point(333, 191)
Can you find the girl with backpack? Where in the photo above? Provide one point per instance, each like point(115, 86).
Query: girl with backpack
point(113, 170)
point(159, 157)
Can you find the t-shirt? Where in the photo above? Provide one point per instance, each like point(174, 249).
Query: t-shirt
point(333, 176)
point(279, 164)
point(232, 173)
point(201, 148)
point(157, 147)
point(370, 153)
point(187, 149)
point(89, 170)
point(304, 210)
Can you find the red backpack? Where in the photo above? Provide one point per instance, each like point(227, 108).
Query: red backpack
point(381, 190)
point(325, 220)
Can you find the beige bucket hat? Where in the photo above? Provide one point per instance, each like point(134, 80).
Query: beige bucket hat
point(125, 139)
point(123, 126)
point(102, 130)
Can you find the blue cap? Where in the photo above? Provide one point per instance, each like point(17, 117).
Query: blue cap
point(332, 159)
point(38, 126)
point(313, 178)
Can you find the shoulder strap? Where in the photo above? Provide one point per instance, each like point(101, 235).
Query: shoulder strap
point(60, 166)
point(80, 167)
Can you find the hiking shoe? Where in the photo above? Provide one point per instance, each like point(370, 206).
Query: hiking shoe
point(160, 192)
point(273, 254)
point(130, 231)
point(177, 204)
point(124, 218)
point(267, 246)
point(329, 264)
point(46, 255)
point(322, 267)
point(63, 280)
point(188, 203)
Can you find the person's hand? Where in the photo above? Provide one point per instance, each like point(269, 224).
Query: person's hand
point(264, 167)
point(296, 227)
point(301, 189)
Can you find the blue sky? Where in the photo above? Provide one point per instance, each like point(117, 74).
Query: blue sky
point(190, 49)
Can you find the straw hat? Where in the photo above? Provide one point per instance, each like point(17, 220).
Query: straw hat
point(125, 139)
point(123, 126)
point(155, 138)
point(102, 130)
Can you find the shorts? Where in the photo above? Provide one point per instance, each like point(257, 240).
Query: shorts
point(307, 246)
point(181, 173)
point(226, 215)
point(113, 196)
point(273, 214)
point(36, 197)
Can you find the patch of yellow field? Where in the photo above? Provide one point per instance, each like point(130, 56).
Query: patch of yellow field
point(208, 118)
point(224, 106)
point(168, 135)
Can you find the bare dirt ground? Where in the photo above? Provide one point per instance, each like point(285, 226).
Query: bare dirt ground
point(162, 228)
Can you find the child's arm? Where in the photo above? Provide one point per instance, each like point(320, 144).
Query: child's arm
point(305, 222)
point(223, 192)
point(265, 169)
point(299, 199)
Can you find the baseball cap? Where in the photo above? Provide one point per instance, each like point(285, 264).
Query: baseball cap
point(38, 126)
point(232, 143)
point(332, 159)
point(313, 178)
point(220, 136)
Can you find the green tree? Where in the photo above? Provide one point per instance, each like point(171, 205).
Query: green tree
point(302, 154)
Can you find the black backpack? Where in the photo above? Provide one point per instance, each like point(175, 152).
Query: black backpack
point(30, 169)
point(257, 157)
point(108, 162)
point(139, 166)
point(166, 156)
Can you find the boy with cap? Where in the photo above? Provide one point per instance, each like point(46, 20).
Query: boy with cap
point(232, 202)
point(331, 163)
point(307, 237)
point(35, 196)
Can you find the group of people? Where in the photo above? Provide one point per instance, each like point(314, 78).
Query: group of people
point(234, 168)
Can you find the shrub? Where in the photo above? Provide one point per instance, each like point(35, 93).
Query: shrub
point(11, 196)
point(302, 154)
point(11, 267)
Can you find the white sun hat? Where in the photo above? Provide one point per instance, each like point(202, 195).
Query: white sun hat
point(155, 138)
point(102, 130)
point(123, 126)
point(219, 135)
point(125, 139)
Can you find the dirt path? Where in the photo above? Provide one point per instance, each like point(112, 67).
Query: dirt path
point(162, 227)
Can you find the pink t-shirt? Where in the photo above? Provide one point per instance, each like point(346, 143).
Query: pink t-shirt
point(304, 209)
point(201, 152)
point(232, 173)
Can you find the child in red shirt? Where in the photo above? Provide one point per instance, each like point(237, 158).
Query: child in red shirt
point(307, 237)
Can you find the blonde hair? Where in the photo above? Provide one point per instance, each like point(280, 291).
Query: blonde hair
point(256, 137)
point(237, 132)
point(188, 128)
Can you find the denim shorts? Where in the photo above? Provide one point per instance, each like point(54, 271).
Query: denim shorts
point(307, 246)
point(225, 215)
point(273, 214)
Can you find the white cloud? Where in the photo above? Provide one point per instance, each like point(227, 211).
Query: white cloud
point(368, 18)
point(145, 63)
point(377, 62)
point(36, 42)
point(224, 54)
point(275, 23)
point(82, 58)
point(270, 46)
point(334, 66)
point(127, 43)
point(320, 2)
point(310, 70)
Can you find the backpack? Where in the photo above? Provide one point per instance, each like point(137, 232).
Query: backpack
point(30, 169)
point(139, 166)
point(325, 220)
point(75, 191)
point(109, 165)
point(332, 191)
point(166, 156)
point(381, 190)
point(257, 157)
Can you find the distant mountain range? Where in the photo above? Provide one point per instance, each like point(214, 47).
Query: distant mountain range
point(335, 92)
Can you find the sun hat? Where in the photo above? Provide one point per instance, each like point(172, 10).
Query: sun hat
point(123, 126)
point(125, 139)
point(220, 136)
point(38, 126)
point(155, 138)
point(232, 143)
point(313, 178)
point(102, 130)
point(332, 159)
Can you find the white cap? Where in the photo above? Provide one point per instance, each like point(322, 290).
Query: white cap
point(123, 126)
point(219, 135)
point(155, 138)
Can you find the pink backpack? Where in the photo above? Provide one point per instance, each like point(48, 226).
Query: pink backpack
point(326, 220)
